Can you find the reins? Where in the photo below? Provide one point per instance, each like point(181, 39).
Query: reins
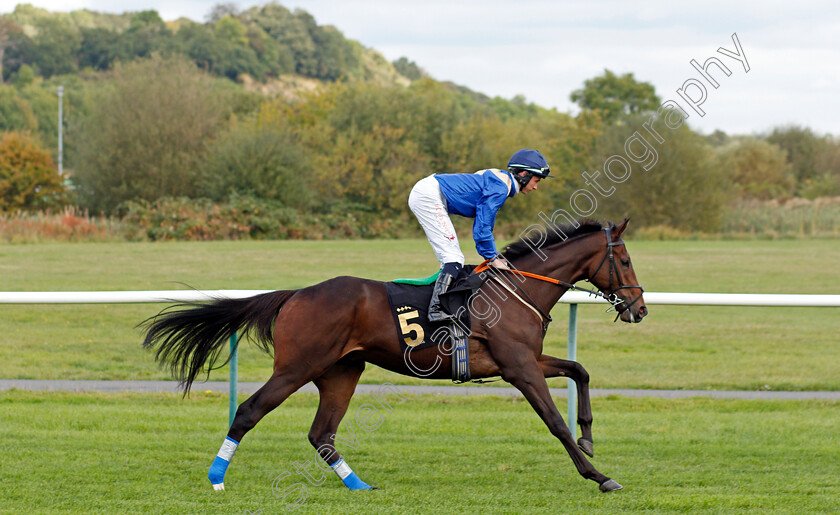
point(609, 297)
point(511, 285)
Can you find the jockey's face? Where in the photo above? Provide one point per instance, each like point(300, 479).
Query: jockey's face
point(532, 184)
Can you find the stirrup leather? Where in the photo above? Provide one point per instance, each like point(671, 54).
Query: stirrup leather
point(460, 355)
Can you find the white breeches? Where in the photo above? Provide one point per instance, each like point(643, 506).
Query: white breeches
point(429, 206)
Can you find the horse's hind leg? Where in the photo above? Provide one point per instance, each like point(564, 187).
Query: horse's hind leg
point(336, 386)
point(556, 367)
point(276, 390)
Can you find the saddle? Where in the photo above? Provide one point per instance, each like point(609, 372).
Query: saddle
point(409, 299)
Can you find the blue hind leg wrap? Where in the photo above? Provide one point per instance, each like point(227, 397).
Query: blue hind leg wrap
point(348, 477)
point(216, 474)
point(217, 470)
point(354, 482)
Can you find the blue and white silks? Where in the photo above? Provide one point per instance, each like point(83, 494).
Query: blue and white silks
point(478, 195)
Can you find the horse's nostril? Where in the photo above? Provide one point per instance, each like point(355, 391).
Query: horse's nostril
point(643, 311)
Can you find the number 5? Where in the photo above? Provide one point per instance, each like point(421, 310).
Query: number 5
point(408, 328)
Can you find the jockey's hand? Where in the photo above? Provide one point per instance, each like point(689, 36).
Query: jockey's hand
point(500, 263)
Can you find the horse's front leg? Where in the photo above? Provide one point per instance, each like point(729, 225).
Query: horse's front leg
point(525, 374)
point(556, 367)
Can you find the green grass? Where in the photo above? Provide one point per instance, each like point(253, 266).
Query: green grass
point(149, 453)
point(676, 347)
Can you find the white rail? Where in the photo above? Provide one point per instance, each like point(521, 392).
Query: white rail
point(572, 297)
point(719, 299)
point(120, 297)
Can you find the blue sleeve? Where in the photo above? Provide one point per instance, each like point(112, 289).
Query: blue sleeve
point(485, 220)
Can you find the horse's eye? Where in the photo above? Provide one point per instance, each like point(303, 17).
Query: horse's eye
point(625, 262)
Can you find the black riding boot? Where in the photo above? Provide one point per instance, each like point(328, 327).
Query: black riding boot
point(448, 274)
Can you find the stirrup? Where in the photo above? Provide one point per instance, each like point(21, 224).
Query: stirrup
point(437, 314)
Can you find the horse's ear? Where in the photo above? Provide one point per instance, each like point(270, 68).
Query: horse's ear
point(620, 229)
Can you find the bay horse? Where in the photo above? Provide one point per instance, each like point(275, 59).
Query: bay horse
point(327, 332)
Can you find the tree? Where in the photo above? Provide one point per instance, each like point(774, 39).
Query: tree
point(15, 112)
point(8, 29)
point(146, 19)
point(17, 50)
point(827, 181)
point(759, 168)
point(616, 96)
point(298, 37)
point(803, 149)
point(24, 76)
point(147, 133)
point(146, 35)
point(230, 29)
point(683, 190)
point(42, 101)
point(274, 57)
point(336, 57)
point(217, 54)
point(409, 69)
point(99, 48)
point(28, 177)
point(290, 33)
point(55, 47)
point(219, 11)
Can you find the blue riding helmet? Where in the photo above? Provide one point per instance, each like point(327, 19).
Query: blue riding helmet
point(531, 161)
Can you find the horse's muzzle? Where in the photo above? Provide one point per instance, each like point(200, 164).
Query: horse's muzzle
point(634, 314)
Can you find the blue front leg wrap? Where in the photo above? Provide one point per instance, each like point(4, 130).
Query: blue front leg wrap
point(353, 482)
point(217, 471)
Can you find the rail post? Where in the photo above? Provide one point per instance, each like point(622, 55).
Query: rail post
point(234, 365)
point(572, 356)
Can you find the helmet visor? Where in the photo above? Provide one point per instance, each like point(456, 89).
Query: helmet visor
point(539, 172)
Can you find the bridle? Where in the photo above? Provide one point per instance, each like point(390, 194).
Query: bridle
point(611, 297)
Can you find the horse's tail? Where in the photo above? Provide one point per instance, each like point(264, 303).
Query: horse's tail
point(191, 335)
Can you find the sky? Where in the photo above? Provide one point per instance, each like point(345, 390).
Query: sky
point(545, 49)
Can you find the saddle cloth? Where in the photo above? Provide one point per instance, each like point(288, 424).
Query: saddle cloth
point(410, 307)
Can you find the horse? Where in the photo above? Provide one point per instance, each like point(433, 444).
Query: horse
point(355, 326)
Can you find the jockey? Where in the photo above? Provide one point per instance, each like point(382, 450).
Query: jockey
point(479, 195)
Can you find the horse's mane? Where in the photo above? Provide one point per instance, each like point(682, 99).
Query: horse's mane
point(557, 233)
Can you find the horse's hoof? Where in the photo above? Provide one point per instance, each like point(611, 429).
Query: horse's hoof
point(609, 485)
point(586, 446)
point(219, 487)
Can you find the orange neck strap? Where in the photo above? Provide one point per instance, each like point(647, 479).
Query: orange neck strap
point(484, 266)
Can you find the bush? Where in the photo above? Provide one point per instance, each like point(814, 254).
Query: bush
point(70, 224)
point(259, 160)
point(245, 217)
point(28, 178)
point(797, 217)
point(660, 233)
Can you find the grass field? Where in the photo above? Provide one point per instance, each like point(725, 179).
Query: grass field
point(675, 347)
point(149, 453)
